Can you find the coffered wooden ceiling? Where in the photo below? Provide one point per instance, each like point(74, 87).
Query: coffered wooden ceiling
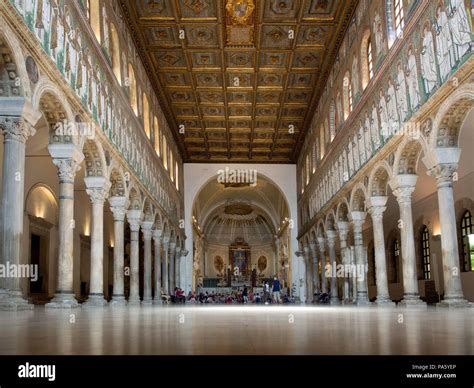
point(243, 76)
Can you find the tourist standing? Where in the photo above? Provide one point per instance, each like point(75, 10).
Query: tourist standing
point(266, 292)
point(245, 295)
point(276, 290)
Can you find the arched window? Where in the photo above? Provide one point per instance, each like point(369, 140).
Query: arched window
point(399, 16)
point(395, 20)
point(165, 152)
point(176, 170)
point(347, 95)
point(94, 18)
point(115, 49)
point(132, 84)
point(314, 157)
point(467, 241)
point(146, 116)
point(367, 69)
point(425, 250)
point(322, 142)
point(156, 128)
point(332, 120)
point(307, 169)
point(370, 59)
point(171, 166)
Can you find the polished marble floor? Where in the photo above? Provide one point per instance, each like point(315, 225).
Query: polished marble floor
point(236, 330)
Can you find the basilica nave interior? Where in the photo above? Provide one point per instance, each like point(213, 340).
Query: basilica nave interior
point(213, 146)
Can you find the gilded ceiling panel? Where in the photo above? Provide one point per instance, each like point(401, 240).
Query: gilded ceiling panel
point(238, 74)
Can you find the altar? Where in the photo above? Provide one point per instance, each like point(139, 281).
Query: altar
point(240, 268)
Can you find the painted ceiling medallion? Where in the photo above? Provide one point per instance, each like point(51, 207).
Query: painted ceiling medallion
point(240, 22)
point(240, 11)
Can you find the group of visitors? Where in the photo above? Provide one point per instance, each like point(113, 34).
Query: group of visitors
point(271, 294)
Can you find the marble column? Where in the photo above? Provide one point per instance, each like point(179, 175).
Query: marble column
point(443, 173)
point(376, 207)
point(147, 234)
point(134, 220)
point(164, 266)
point(322, 254)
point(177, 268)
point(276, 261)
point(172, 253)
point(181, 278)
point(118, 206)
point(157, 241)
point(343, 229)
point(331, 238)
point(316, 283)
point(299, 282)
point(403, 186)
point(67, 158)
point(358, 219)
point(16, 130)
point(309, 273)
point(98, 189)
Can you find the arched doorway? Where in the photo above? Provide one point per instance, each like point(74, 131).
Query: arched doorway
point(241, 235)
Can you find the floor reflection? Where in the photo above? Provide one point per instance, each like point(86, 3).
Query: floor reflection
point(238, 330)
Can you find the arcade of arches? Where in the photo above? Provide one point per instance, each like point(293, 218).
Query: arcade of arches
point(154, 145)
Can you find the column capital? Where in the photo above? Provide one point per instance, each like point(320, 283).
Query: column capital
point(403, 186)
point(16, 128)
point(331, 236)
point(321, 243)
point(184, 252)
point(68, 158)
point(118, 206)
point(358, 218)
point(18, 118)
point(343, 229)
point(98, 188)
point(376, 206)
point(443, 173)
point(313, 246)
point(147, 229)
point(134, 219)
point(157, 234)
point(67, 169)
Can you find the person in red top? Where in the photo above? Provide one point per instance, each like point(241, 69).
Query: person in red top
point(180, 298)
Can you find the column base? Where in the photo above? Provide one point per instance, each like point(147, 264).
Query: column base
point(14, 302)
point(134, 301)
point(3, 293)
point(454, 303)
point(63, 301)
point(412, 301)
point(147, 301)
point(118, 301)
point(157, 301)
point(95, 300)
point(384, 302)
point(362, 299)
point(334, 301)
